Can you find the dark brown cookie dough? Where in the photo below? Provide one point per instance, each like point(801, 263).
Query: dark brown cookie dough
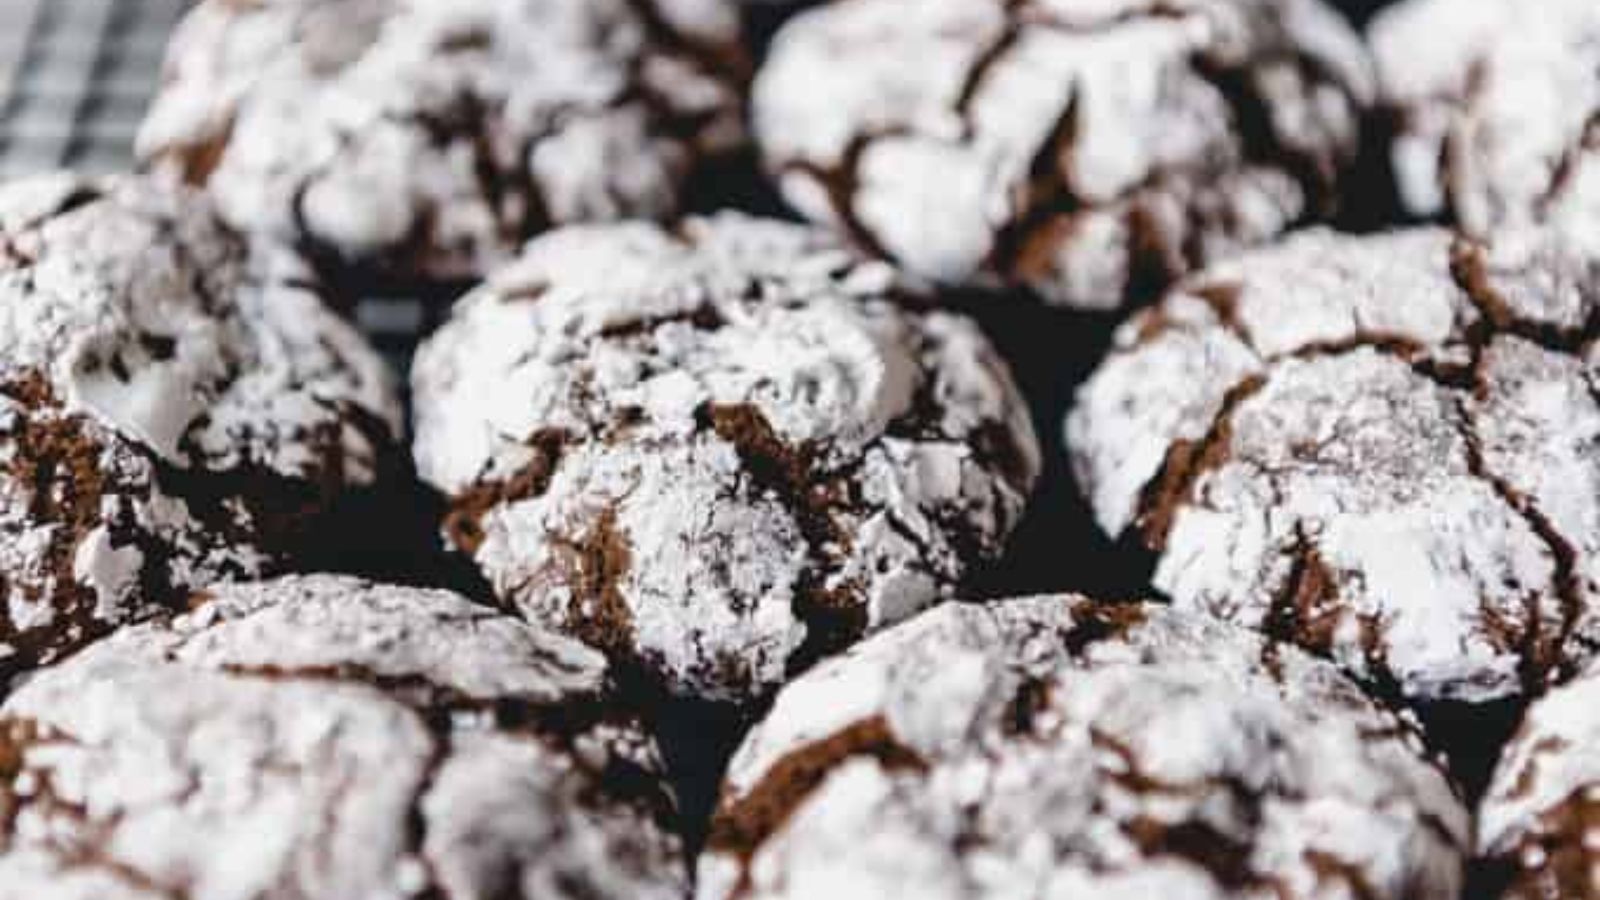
point(1539, 825)
point(324, 738)
point(1090, 151)
point(718, 453)
point(172, 410)
point(1055, 747)
point(426, 140)
point(1385, 449)
point(1496, 108)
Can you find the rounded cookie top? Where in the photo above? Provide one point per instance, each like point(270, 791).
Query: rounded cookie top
point(1056, 747)
point(1090, 150)
point(327, 738)
point(1539, 823)
point(718, 453)
point(1381, 448)
point(1496, 107)
point(172, 410)
point(411, 139)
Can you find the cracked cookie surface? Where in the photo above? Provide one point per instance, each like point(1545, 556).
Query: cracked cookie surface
point(1058, 747)
point(1539, 824)
point(721, 453)
point(1496, 109)
point(324, 738)
point(410, 139)
point(1090, 151)
point(173, 410)
point(1385, 449)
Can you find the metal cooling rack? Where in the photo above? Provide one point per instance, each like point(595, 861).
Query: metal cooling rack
point(75, 77)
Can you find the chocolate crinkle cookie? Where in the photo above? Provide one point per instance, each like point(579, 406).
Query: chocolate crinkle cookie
point(173, 410)
point(1055, 747)
point(1091, 151)
point(323, 738)
point(718, 453)
point(1385, 449)
point(423, 141)
point(1539, 825)
point(1496, 110)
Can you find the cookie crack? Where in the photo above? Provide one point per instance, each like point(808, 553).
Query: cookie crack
point(1046, 195)
point(704, 317)
point(1540, 654)
point(596, 564)
point(898, 524)
point(1223, 300)
point(417, 818)
point(832, 621)
point(59, 463)
point(70, 850)
point(1225, 858)
point(1555, 856)
point(1099, 623)
point(1186, 462)
point(17, 737)
point(1030, 14)
point(1029, 700)
point(1024, 15)
point(1260, 141)
point(560, 724)
point(724, 62)
point(742, 824)
point(1566, 167)
point(993, 54)
point(1469, 270)
point(438, 704)
point(842, 179)
point(463, 522)
point(1305, 612)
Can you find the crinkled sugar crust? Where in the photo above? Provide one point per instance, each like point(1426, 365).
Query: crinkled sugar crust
point(1090, 150)
point(1496, 105)
point(1055, 747)
point(1539, 824)
point(719, 453)
point(323, 738)
point(172, 412)
point(1385, 449)
point(428, 139)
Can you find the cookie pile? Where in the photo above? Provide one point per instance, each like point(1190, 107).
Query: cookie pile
point(759, 335)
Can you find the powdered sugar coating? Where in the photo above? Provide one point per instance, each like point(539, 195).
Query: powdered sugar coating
point(1381, 448)
point(1092, 151)
point(427, 139)
point(1055, 747)
point(173, 410)
point(326, 738)
point(1497, 108)
point(719, 453)
point(1540, 821)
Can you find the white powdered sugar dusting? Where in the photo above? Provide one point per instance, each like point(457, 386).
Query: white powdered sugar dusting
point(326, 737)
point(167, 402)
point(1541, 816)
point(414, 138)
point(1381, 448)
point(719, 453)
point(1497, 108)
point(1091, 151)
point(1056, 747)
